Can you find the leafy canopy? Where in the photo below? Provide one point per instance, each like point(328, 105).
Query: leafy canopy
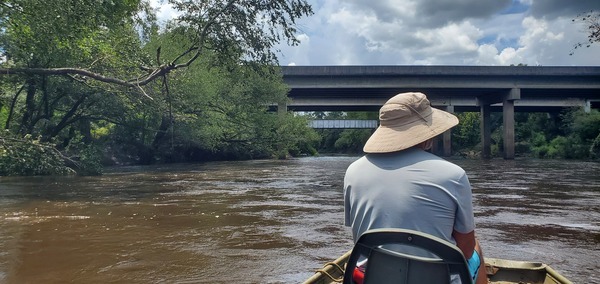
point(240, 31)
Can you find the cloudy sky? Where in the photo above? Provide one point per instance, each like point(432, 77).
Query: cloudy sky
point(443, 32)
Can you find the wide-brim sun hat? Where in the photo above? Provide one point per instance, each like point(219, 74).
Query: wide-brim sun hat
point(406, 120)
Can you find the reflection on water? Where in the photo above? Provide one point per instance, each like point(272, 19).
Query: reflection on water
point(267, 221)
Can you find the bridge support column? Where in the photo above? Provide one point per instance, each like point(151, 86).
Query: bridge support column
point(282, 108)
point(486, 132)
point(588, 106)
point(447, 136)
point(508, 121)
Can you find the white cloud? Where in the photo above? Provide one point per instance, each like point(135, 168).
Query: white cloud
point(509, 56)
point(549, 43)
point(487, 54)
point(450, 40)
point(364, 32)
point(164, 10)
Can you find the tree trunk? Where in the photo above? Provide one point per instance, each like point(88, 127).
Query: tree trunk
point(26, 126)
point(86, 130)
point(67, 119)
point(11, 111)
point(165, 124)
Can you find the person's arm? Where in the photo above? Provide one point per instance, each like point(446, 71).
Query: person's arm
point(467, 243)
point(464, 221)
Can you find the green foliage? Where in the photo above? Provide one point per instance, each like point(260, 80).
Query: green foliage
point(571, 135)
point(295, 137)
point(29, 157)
point(595, 148)
point(3, 115)
point(558, 148)
point(352, 140)
point(221, 110)
point(581, 129)
point(586, 126)
point(528, 124)
point(467, 133)
point(88, 159)
point(37, 33)
point(212, 112)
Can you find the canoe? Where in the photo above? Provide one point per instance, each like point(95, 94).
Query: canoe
point(499, 271)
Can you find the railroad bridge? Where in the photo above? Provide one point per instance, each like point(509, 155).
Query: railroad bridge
point(452, 88)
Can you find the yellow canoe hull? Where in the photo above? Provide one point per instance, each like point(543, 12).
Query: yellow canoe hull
point(499, 271)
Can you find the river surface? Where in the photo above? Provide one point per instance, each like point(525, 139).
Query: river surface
point(268, 221)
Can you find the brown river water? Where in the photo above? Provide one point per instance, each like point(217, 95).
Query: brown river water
point(268, 221)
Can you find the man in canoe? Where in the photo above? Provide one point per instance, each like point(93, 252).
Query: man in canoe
point(399, 184)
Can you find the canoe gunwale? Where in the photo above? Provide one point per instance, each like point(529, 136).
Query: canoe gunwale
point(329, 270)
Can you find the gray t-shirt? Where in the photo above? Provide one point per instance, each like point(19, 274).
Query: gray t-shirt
point(410, 189)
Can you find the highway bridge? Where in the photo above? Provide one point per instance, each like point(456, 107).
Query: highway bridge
point(453, 88)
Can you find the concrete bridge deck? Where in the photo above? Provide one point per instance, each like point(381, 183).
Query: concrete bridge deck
point(347, 88)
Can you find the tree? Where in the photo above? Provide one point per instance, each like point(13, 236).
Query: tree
point(582, 130)
point(242, 31)
point(210, 110)
point(592, 21)
point(466, 135)
point(38, 35)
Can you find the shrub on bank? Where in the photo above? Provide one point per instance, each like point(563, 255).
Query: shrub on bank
point(29, 157)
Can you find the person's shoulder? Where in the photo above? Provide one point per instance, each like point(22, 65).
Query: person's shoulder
point(441, 162)
point(355, 168)
point(358, 162)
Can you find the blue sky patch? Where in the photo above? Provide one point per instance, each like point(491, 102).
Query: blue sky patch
point(499, 43)
point(517, 7)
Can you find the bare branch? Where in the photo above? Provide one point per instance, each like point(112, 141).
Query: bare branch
point(202, 36)
point(65, 71)
point(137, 84)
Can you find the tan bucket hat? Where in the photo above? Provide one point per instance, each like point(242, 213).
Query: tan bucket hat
point(406, 120)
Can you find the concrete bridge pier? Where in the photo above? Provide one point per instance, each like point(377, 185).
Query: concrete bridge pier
point(508, 123)
point(486, 132)
point(447, 137)
point(442, 144)
point(281, 108)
